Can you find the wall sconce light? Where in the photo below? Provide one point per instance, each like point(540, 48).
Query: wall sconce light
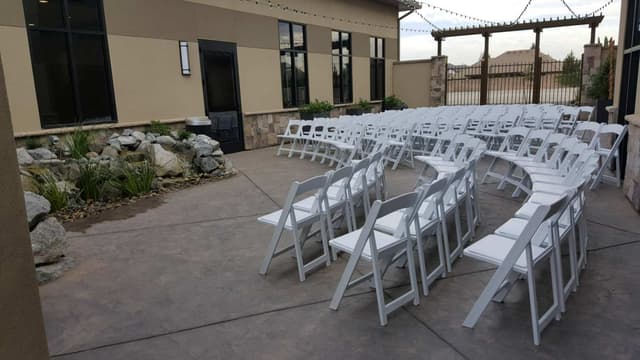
point(185, 66)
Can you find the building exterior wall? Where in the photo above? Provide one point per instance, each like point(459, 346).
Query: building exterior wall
point(142, 40)
point(412, 82)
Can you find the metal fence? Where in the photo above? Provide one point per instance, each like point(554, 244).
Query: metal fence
point(514, 83)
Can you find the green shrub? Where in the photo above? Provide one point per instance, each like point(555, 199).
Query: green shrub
point(393, 102)
point(364, 105)
point(32, 143)
point(94, 180)
point(316, 107)
point(184, 134)
point(136, 180)
point(46, 185)
point(79, 143)
point(159, 128)
point(599, 88)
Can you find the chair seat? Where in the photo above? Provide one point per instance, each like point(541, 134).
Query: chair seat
point(549, 179)
point(395, 143)
point(426, 159)
point(301, 217)
point(306, 204)
point(557, 189)
point(542, 171)
point(494, 249)
point(512, 228)
point(347, 242)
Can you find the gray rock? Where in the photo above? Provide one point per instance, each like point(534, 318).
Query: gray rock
point(174, 134)
point(110, 152)
point(140, 136)
point(115, 143)
point(203, 149)
point(150, 137)
point(24, 158)
point(91, 155)
point(50, 272)
point(54, 140)
point(206, 164)
point(37, 208)
point(135, 157)
point(217, 153)
point(42, 154)
point(186, 150)
point(48, 241)
point(127, 132)
point(127, 140)
point(66, 186)
point(165, 162)
point(71, 171)
point(165, 140)
point(96, 147)
point(115, 135)
point(145, 147)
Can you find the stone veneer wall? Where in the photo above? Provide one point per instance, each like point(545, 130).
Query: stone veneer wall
point(438, 80)
point(631, 186)
point(262, 130)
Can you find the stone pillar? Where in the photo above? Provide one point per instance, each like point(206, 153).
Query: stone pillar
point(22, 333)
point(438, 80)
point(592, 59)
point(631, 186)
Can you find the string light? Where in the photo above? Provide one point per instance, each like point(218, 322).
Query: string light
point(468, 17)
point(522, 12)
point(570, 9)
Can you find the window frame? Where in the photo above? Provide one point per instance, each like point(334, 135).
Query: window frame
point(291, 52)
point(374, 63)
point(68, 32)
point(340, 55)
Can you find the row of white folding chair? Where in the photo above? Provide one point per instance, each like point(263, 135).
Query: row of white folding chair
point(392, 231)
point(524, 241)
point(334, 196)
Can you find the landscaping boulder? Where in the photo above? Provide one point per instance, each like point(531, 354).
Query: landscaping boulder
point(37, 208)
point(165, 140)
point(24, 158)
point(203, 149)
point(140, 136)
point(127, 132)
point(110, 152)
point(48, 242)
point(206, 164)
point(115, 143)
point(128, 141)
point(165, 162)
point(50, 272)
point(42, 154)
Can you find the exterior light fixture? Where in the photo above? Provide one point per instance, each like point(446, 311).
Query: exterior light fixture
point(185, 66)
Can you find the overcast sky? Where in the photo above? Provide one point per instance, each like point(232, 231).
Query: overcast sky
point(467, 49)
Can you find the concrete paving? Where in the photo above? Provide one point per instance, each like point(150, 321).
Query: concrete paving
point(176, 277)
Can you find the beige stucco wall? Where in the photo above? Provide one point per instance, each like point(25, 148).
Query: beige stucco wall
point(259, 72)
point(143, 43)
point(412, 82)
point(21, 92)
point(147, 81)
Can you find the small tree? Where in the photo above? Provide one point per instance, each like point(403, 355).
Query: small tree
point(599, 88)
point(570, 71)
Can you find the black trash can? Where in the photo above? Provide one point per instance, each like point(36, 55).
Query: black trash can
point(199, 126)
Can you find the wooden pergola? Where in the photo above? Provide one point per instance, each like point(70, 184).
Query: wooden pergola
point(537, 27)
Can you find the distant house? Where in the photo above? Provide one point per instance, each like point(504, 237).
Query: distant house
point(514, 63)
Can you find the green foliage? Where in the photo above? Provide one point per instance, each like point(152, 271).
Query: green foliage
point(184, 134)
point(135, 180)
point(159, 128)
point(32, 143)
point(316, 107)
point(94, 180)
point(599, 88)
point(78, 143)
point(393, 102)
point(364, 105)
point(46, 185)
point(570, 71)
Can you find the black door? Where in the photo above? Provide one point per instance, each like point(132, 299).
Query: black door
point(219, 65)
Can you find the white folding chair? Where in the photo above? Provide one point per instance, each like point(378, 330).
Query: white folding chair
point(516, 257)
point(299, 223)
point(607, 154)
point(379, 249)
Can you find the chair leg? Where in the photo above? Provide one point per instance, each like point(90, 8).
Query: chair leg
point(271, 250)
point(297, 246)
point(325, 241)
point(343, 284)
point(533, 304)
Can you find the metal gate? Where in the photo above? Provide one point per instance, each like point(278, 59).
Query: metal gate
point(559, 83)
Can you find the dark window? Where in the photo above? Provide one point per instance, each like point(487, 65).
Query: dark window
point(377, 64)
point(70, 61)
point(293, 64)
point(341, 67)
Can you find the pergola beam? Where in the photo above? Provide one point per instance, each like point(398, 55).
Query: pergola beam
point(592, 21)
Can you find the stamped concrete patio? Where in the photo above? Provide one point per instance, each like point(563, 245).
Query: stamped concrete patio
point(176, 277)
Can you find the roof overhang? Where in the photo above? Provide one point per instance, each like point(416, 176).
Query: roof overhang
point(402, 5)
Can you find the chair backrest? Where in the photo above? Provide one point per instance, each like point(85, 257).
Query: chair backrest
point(431, 196)
point(617, 130)
point(587, 131)
point(405, 203)
point(340, 178)
point(297, 189)
point(515, 139)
